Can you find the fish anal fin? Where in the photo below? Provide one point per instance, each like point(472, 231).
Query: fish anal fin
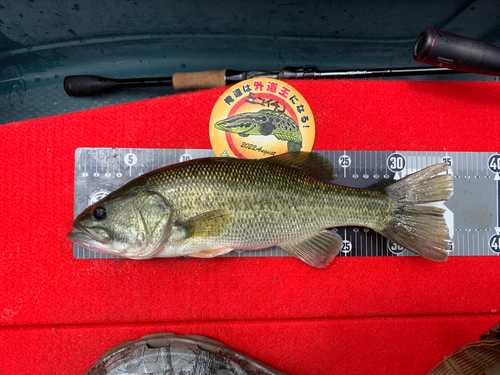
point(210, 253)
point(208, 224)
point(317, 250)
point(310, 162)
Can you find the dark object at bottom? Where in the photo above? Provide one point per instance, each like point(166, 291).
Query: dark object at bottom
point(167, 353)
point(477, 358)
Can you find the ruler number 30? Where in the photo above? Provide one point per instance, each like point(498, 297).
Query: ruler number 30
point(396, 162)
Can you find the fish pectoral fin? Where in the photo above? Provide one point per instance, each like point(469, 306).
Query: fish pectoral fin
point(211, 253)
point(317, 250)
point(209, 224)
point(310, 162)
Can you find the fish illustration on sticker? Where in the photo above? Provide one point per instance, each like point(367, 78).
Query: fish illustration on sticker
point(265, 122)
point(261, 117)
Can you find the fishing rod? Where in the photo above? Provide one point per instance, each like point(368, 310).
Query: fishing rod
point(86, 85)
point(457, 52)
point(450, 53)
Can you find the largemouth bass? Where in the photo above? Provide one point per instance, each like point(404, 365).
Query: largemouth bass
point(264, 122)
point(211, 206)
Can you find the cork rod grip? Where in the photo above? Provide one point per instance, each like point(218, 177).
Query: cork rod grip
point(199, 80)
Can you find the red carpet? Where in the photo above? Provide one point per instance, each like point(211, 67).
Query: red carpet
point(357, 316)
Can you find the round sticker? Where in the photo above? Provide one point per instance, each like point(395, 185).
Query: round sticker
point(261, 117)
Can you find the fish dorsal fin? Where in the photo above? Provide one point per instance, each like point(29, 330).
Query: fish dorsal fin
point(317, 250)
point(310, 162)
point(208, 224)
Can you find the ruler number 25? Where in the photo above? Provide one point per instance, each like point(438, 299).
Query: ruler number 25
point(345, 161)
point(447, 160)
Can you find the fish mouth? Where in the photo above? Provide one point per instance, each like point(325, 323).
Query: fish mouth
point(230, 127)
point(82, 236)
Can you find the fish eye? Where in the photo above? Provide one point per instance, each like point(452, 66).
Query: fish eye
point(99, 213)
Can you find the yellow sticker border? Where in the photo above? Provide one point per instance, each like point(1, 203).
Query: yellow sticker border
point(253, 95)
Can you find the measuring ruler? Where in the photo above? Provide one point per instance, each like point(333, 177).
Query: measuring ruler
point(472, 212)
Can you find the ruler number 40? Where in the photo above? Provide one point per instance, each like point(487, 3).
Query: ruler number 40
point(494, 163)
point(495, 243)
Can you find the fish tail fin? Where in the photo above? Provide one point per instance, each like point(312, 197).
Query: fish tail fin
point(415, 223)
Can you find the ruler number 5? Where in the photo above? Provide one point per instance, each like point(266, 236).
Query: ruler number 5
point(130, 159)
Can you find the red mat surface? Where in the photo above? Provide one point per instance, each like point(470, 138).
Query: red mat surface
point(357, 316)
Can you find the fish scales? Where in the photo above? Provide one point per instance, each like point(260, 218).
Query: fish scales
point(211, 206)
point(272, 201)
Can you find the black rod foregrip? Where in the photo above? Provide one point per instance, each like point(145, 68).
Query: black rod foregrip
point(91, 85)
point(457, 52)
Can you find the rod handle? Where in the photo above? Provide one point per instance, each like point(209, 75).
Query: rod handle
point(88, 85)
point(457, 52)
point(199, 80)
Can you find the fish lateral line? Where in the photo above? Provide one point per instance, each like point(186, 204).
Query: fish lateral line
point(284, 200)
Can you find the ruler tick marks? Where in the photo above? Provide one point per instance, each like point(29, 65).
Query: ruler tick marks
point(468, 194)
